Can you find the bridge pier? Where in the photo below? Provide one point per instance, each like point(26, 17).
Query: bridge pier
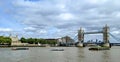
point(80, 45)
point(106, 45)
point(106, 36)
point(80, 37)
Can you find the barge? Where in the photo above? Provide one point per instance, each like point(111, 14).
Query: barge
point(20, 48)
point(99, 48)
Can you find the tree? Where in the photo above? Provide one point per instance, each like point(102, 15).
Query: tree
point(43, 41)
point(8, 40)
point(31, 40)
point(5, 40)
point(23, 40)
point(36, 41)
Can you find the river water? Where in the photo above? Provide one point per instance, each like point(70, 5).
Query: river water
point(70, 54)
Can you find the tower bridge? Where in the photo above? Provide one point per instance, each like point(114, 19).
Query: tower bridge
point(105, 32)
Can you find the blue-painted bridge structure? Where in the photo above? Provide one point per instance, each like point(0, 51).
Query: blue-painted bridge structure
point(79, 37)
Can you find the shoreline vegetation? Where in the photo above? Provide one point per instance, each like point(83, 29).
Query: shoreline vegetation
point(38, 41)
point(8, 46)
point(27, 42)
point(29, 45)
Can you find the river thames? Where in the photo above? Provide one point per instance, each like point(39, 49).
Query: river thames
point(70, 54)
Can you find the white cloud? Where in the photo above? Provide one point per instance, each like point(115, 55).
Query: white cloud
point(66, 16)
point(117, 14)
point(42, 31)
point(97, 1)
point(5, 30)
point(116, 32)
point(29, 29)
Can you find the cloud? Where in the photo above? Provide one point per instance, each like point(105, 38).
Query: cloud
point(29, 29)
point(116, 32)
point(66, 16)
point(63, 15)
point(58, 18)
point(5, 30)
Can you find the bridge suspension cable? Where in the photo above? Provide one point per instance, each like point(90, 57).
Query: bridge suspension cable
point(117, 39)
point(76, 37)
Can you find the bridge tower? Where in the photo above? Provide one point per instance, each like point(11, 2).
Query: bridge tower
point(106, 30)
point(80, 37)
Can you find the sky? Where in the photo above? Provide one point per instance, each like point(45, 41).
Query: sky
point(58, 18)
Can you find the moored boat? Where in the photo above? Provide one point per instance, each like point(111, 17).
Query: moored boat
point(99, 48)
point(20, 48)
point(57, 50)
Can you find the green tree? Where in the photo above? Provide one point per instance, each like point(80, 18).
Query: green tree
point(31, 40)
point(5, 40)
point(8, 40)
point(23, 40)
point(43, 41)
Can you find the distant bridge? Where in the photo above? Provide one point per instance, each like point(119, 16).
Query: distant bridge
point(106, 34)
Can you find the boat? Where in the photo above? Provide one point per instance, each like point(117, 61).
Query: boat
point(57, 50)
point(20, 48)
point(99, 48)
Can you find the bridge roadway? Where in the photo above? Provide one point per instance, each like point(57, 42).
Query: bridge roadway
point(93, 32)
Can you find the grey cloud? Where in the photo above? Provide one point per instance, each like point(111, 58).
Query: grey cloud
point(44, 14)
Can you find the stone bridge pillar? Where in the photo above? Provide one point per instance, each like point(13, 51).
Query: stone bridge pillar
point(80, 37)
point(106, 36)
